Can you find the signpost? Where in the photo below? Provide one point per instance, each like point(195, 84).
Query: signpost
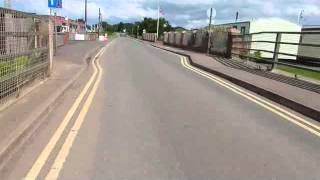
point(55, 3)
point(52, 4)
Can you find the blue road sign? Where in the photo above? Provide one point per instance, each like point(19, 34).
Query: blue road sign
point(55, 3)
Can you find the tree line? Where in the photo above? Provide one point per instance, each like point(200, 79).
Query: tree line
point(148, 25)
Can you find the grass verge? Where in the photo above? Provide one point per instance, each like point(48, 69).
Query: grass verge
point(301, 72)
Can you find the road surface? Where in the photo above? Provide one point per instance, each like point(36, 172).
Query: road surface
point(152, 118)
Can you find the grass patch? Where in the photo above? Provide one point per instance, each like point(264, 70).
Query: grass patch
point(12, 66)
point(300, 72)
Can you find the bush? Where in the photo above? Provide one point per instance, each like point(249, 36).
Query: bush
point(257, 54)
point(257, 57)
point(243, 54)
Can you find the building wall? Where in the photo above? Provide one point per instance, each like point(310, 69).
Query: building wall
point(275, 25)
point(310, 52)
point(16, 44)
point(243, 27)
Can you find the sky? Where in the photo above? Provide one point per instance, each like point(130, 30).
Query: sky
point(185, 13)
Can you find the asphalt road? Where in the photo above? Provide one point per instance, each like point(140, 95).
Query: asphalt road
point(154, 119)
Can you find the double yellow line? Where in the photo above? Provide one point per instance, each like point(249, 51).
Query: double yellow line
point(312, 128)
point(55, 169)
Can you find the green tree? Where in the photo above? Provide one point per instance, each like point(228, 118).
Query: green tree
point(150, 25)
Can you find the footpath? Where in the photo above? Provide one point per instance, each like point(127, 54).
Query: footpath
point(20, 119)
point(298, 99)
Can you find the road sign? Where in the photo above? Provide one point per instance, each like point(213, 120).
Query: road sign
point(55, 3)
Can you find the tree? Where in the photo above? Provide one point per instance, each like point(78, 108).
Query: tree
point(104, 25)
point(150, 25)
point(120, 27)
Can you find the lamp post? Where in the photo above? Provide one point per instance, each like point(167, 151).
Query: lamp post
point(158, 22)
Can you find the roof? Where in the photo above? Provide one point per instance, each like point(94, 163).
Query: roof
point(311, 28)
point(225, 24)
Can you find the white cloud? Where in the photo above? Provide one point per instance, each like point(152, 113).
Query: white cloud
point(188, 13)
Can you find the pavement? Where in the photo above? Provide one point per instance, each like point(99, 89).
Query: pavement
point(298, 99)
point(19, 120)
point(152, 118)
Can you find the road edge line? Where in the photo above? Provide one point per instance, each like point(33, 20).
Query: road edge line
point(41, 159)
point(295, 106)
point(64, 151)
point(26, 130)
point(312, 128)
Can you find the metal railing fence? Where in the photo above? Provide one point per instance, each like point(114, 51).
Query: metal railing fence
point(295, 49)
point(23, 51)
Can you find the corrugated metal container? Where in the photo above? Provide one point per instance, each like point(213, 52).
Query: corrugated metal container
point(171, 38)
point(178, 38)
point(201, 41)
point(186, 39)
point(219, 42)
point(166, 37)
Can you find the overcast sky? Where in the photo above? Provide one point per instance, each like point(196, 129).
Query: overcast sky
point(186, 13)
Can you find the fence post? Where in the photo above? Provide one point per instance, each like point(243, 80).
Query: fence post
point(276, 50)
point(50, 43)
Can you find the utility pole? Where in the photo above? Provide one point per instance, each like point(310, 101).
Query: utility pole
point(99, 22)
point(300, 18)
point(85, 14)
point(237, 16)
point(7, 4)
point(158, 22)
point(55, 33)
point(209, 31)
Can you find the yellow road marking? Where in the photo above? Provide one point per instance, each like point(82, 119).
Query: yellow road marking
point(42, 158)
point(64, 151)
point(314, 129)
